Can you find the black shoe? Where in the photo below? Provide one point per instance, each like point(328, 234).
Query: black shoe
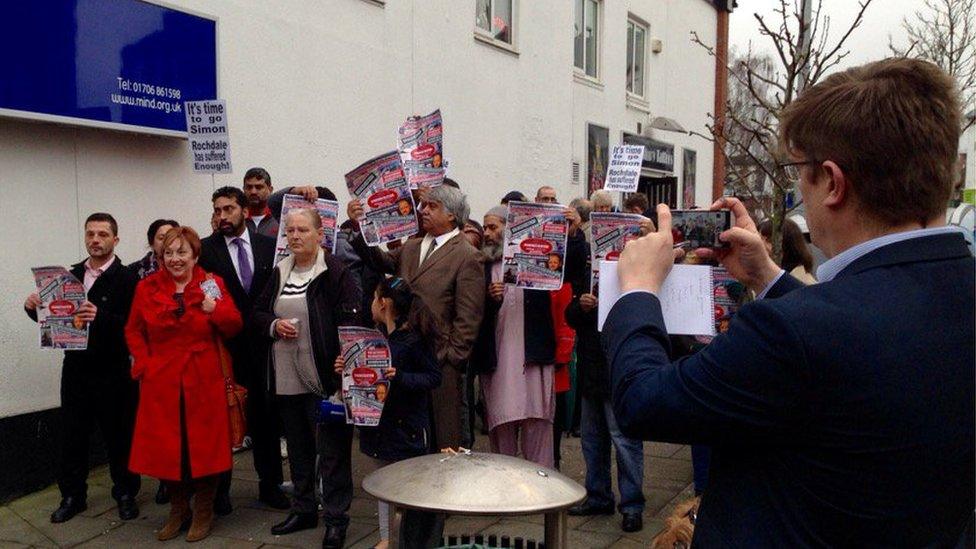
point(295, 522)
point(222, 506)
point(128, 509)
point(587, 509)
point(272, 496)
point(633, 522)
point(162, 495)
point(70, 506)
point(335, 537)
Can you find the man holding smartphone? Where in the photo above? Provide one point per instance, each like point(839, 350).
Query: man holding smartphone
point(840, 414)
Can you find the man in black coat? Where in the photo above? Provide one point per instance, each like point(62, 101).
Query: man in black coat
point(244, 260)
point(96, 388)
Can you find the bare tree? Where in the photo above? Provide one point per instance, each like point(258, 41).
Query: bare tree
point(944, 32)
point(760, 86)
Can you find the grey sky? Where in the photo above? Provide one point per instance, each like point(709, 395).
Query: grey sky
point(869, 42)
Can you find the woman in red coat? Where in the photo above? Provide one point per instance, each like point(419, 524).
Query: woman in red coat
point(182, 433)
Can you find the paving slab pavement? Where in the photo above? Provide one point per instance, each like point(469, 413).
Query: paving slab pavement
point(24, 522)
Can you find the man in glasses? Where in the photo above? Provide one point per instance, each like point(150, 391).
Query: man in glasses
point(839, 414)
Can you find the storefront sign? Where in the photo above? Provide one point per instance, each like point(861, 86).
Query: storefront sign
point(119, 64)
point(657, 155)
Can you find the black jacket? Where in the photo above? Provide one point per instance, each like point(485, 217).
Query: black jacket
point(215, 258)
point(112, 293)
point(404, 427)
point(591, 363)
point(333, 301)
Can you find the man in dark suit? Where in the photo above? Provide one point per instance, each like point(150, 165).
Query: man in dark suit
point(244, 260)
point(840, 414)
point(96, 388)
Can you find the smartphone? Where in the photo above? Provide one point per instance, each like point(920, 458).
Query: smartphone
point(700, 228)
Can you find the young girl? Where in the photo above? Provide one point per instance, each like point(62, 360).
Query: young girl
point(404, 426)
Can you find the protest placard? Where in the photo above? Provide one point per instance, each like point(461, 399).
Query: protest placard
point(609, 233)
point(535, 245)
point(389, 212)
point(624, 170)
point(328, 211)
point(420, 141)
point(364, 382)
point(206, 130)
point(61, 296)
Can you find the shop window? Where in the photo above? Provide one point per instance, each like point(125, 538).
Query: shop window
point(586, 42)
point(495, 19)
point(636, 57)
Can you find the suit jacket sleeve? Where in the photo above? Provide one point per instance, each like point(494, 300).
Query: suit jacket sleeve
point(745, 385)
point(112, 321)
point(786, 284)
point(225, 316)
point(374, 257)
point(469, 306)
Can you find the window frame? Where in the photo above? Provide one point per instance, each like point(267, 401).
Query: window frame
point(580, 72)
point(487, 37)
point(638, 23)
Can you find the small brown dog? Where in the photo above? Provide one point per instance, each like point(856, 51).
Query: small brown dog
point(679, 527)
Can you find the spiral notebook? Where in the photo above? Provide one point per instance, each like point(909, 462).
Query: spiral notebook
point(687, 298)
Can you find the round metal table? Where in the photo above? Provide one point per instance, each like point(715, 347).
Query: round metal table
point(476, 484)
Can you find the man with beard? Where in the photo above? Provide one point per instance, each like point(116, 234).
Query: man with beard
point(96, 387)
point(257, 190)
point(516, 356)
point(244, 260)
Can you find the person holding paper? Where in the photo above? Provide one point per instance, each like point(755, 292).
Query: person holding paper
point(840, 414)
point(296, 318)
point(447, 273)
point(519, 388)
point(182, 432)
point(404, 426)
point(95, 385)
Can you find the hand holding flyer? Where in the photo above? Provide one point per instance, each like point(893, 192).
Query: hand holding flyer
point(535, 245)
point(328, 212)
point(609, 233)
point(388, 208)
point(420, 141)
point(61, 295)
point(365, 385)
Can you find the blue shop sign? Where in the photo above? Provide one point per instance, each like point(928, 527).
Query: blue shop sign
point(120, 64)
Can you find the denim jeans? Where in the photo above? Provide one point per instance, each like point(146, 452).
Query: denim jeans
point(599, 430)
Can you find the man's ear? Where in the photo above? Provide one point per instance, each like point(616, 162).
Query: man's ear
point(838, 191)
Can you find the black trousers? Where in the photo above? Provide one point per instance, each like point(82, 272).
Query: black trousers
point(335, 471)
point(90, 397)
point(262, 426)
point(298, 420)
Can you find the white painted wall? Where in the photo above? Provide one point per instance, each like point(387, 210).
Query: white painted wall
point(680, 82)
point(313, 89)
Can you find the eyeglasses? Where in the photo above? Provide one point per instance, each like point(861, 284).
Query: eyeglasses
point(792, 169)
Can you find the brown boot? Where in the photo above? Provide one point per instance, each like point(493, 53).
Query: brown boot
point(179, 510)
point(203, 512)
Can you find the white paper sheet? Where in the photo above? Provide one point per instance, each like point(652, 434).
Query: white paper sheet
point(686, 298)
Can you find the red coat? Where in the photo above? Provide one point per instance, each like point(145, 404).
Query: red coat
point(170, 353)
point(565, 336)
